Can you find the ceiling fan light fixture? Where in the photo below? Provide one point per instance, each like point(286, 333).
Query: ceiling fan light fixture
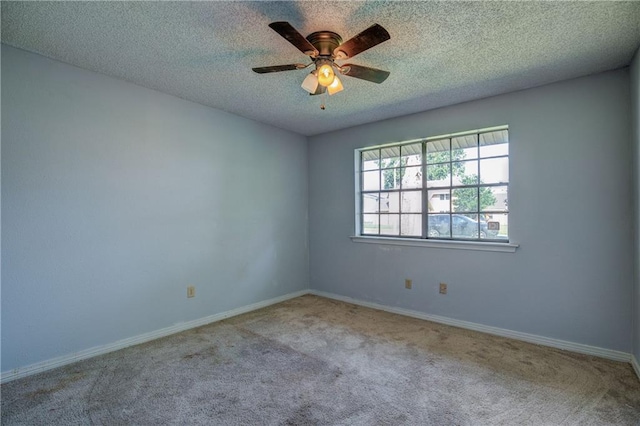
point(310, 84)
point(326, 75)
point(335, 87)
point(324, 48)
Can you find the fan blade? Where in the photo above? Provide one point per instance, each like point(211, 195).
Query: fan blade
point(370, 37)
point(365, 73)
point(294, 37)
point(319, 91)
point(278, 68)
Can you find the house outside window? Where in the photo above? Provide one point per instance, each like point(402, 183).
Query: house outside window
point(451, 187)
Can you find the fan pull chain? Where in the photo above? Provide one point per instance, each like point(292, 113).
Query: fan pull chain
point(322, 99)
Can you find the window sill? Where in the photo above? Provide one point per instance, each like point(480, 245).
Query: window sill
point(443, 244)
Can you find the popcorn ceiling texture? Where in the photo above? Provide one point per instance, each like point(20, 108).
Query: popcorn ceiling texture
point(440, 53)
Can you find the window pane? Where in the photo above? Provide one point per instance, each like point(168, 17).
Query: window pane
point(439, 175)
point(494, 150)
point(390, 157)
point(411, 155)
point(389, 202)
point(412, 177)
point(389, 224)
point(494, 170)
point(494, 143)
point(495, 137)
point(466, 194)
point(465, 172)
point(371, 181)
point(391, 178)
point(439, 201)
point(438, 151)
point(370, 159)
point(464, 147)
point(411, 225)
point(439, 226)
point(465, 199)
point(370, 224)
point(370, 203)
point(465, 226)
point(494, 198)
point(497, 226)
point(412, 201)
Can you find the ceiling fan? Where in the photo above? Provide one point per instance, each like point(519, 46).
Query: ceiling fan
point(326, 47)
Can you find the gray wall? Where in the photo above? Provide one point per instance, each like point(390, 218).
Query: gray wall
point(116, 197)
point(570, 201)
point(635, 137)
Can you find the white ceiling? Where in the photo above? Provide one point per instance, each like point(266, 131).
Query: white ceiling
point(440, 53)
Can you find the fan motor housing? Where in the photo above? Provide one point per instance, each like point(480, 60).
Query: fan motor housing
point(325, 41)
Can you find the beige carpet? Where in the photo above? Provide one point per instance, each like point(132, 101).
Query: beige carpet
point(313, 361)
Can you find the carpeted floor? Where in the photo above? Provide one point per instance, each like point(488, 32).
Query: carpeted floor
point(313, 361)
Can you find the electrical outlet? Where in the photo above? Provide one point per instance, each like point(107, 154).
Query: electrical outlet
point(407, 283)
point(443, 288)
point(191, 291)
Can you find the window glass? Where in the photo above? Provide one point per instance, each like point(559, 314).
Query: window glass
point(370, 224)
point(371, 181)
point(389, 224)
point(411, 225)
point(390, 157)
point(465, 199)
point(370, 203)
point(494, 198)
point(494, 170)
point(465, 172)
point(464, 148)
point(391, 178)
point(439, 226)
point(370, 159)
point(411, 177)
point(411, 202)
point(439, 200)
point(439, 151)
point(464, 192)
point(439, 175)
point(494, 143)
point(497, 225)
point(389, 202)
point(411, 155)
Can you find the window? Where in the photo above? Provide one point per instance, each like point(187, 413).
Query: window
point(452, 188)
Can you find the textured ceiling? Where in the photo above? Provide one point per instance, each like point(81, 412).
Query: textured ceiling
point(440, 53)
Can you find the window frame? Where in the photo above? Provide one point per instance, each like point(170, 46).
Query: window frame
point(477, 243)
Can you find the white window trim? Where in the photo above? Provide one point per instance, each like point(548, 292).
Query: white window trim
point(441, 244)
point(509, 247)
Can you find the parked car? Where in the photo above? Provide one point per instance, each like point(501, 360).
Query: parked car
point(461, 227)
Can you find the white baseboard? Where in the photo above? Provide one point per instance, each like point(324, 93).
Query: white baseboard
point(635, 365)
point(526, 337)
point(29, 370)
